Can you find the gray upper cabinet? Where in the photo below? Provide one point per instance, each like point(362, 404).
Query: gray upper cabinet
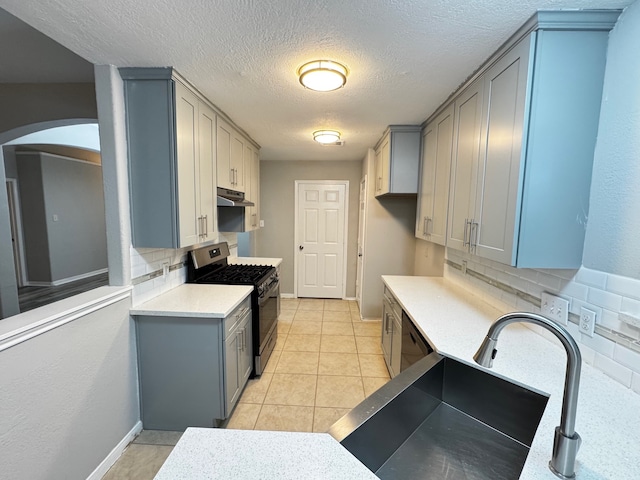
point(433, 196)
point(524, 137)
point(397, 161)
point(464, 164)
point(171, 138)
point(230, 157)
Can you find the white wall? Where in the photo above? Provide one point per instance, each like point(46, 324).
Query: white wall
point(613, 229)
point(68, 396)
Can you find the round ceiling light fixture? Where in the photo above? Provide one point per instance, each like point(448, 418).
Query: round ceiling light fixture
point(326, 136)
point(323, 75)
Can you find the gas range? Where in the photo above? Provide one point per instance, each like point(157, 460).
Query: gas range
point(209, 265)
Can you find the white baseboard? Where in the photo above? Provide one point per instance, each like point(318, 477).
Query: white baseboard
point(292, 295)
point(62, 281)
point(108, 462)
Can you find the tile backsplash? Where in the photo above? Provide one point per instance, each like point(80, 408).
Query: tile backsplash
point(147, 265)
point(615, 347)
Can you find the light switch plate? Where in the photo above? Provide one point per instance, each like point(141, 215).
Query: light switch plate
point(554, 307)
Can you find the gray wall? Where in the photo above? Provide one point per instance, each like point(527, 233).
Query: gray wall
point(68, 396)
point(389, 246)
point(277, 199)
point(27, 103)
point(76, 243)
point(613, 229)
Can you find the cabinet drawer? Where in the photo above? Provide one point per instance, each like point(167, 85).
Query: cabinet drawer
point(395, 306)
point(231, 321)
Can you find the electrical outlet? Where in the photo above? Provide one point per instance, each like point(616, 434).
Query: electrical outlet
point(261, 223)
point(554, 307)
point(165, 269)
point(463, 268)
point(587, 321)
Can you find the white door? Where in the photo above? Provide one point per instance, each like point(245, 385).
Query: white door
point(361, 220)
point(321, 235)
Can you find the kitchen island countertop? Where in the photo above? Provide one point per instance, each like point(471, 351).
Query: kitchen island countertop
point(195, 300)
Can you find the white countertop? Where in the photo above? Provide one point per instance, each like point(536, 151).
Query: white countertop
point(195, 300)
point(455, 322)
point(608, 416)
point(274, 262)
point(207, 453)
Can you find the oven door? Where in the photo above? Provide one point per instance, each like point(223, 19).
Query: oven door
point(268, 311)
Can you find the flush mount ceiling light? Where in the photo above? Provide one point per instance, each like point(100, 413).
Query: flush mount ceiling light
point(326, 136)
point(323, 75)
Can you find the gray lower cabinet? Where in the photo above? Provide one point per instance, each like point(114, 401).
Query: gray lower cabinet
point(391, 332)
point(192, 370)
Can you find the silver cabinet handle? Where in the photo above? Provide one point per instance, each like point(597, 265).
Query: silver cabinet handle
point(206, 225)
point(231, 176)
point(473, 233)
point(244, 339)
point(466, 228)
point(424, 226)
point(428, 230)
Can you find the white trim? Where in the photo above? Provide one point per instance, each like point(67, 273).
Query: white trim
point(21, 334)
point(288, 295)
point(17, 213)
point(113, 456)
point(345, 242)
point(60, 157)
point(63, 281)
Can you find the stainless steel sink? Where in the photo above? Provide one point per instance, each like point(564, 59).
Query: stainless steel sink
point(443, 419)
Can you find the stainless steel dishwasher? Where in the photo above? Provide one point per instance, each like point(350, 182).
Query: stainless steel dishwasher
point(414, 346)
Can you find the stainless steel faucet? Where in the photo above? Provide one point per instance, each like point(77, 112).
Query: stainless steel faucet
point(566, 441)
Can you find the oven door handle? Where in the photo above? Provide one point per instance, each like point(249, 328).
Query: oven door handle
point(267, 293)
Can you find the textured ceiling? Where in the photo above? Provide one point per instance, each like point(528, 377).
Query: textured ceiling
point(405, 56)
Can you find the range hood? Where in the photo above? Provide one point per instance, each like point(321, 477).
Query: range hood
point(231, 198)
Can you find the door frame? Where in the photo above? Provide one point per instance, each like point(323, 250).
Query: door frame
point(362, 225)
point(15, 220)
point(345, 242)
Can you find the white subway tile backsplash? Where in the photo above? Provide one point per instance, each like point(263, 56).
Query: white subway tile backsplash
point(600, 344)
point(613, 369)
point(604, 299)
point(610, 320)
point(628, 358)
point(575, 290)
point(588, 354)
point(605, 293)
point(630, 306)
point(625, 286)
point(593, 278)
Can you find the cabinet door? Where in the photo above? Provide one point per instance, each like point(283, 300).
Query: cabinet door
point(387, 326)
point(431, 224)
point(501, 159)
point(255, 179)
point(378, 170)
point(232, 369)
point(187, 168)
point(245, 360)
point(385, 165)
point(207, 170)
point(427, 180)
point(237, 161)
point(223, 154)
point(396, 345)
point(249, 193)
point(464, 164)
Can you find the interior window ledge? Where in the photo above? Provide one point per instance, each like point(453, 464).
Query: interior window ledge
point(22, 327)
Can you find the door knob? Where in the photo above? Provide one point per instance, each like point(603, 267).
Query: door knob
point(301, 247)
point(359, 254)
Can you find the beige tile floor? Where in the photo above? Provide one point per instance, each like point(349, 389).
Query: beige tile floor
point(325, 362)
